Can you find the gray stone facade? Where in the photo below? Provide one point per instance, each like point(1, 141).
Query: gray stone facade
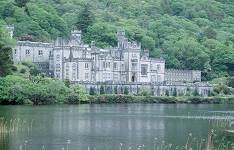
point(175, 75)
point(126, 65)
point(155, 89)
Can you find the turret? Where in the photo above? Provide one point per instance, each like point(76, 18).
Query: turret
point(75, 37)
point(121, 39)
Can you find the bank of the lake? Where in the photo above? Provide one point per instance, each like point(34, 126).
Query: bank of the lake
point(112, 99)
point(129, 99)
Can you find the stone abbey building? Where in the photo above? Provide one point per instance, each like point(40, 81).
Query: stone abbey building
point(125, 65)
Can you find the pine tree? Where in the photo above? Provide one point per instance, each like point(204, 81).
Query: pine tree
point(174, 92)
point(85, 19)
point(92, 91)
point(167, 93)
point(126, 91)
point(102, 90)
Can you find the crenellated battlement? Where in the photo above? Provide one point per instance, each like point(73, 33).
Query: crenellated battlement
point(34, 44)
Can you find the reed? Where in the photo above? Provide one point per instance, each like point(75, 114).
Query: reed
point(15, 125)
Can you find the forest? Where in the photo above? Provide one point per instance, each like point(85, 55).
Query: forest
point(188, 34)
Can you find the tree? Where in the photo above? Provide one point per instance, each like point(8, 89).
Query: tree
point(81, 93)
point(6, 63)
point(85, 18)
point(126, 91)
point(92, 91)
point(116, 90)
point(8, 10)
point(230, 81)
point(167, 93)
point(102, 90)
point(174, 92)
point(148, 43)
point(67, 83)
point(21, 3)
point(195, 92)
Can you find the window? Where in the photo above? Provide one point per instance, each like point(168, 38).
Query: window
point(86, 76)
point(144, 69)
point(108, 65)
point(134, 55)
point(134, 66)
point(86, 66)
point(40, 52)
point(57, 75)
point(27, 52)
point(58, 57)
point(74, 66)
point(83, 54)
point(15, 51)
point(115, 66)
point(116, 76)
point(158, 67)
point(104, 64)
point(159, 78)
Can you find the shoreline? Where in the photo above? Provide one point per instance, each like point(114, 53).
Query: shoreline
point(130, 99)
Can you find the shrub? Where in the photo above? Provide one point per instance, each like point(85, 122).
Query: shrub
point(14, 68)
point(167, 93)
point(174, 92)
point(126, 91)
point(102, 90)
point(230, 81)
point(72, 98)
point(195, 92)
point(81, 93)
point(92, 91)
point(116, 90)
point(23, 71)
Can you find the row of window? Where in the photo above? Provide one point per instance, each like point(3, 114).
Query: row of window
point(28, 52)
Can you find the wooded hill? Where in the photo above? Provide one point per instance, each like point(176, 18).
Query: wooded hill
point(188, 34)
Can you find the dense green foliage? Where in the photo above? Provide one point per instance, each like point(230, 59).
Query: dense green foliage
point(194, 34)
point(6, 64)
point(38, 90)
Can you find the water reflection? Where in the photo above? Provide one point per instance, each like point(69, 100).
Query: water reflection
point(106, 126)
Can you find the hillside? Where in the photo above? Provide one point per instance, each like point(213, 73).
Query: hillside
point(189, 34)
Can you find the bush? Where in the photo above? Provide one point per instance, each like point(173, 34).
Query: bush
point(81, 94)
point(167, 93)
point(92, 91)
point(14, 68)
point(222, 89)
point(174, 92)
point(126, 91)
point(23, 71)
point(230, 81)
point(72, 98)
point(102, 90)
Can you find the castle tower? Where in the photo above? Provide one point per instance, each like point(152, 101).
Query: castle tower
point(75, 38)
point(121, 39)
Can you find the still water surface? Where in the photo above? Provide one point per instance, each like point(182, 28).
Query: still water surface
point(106, 126)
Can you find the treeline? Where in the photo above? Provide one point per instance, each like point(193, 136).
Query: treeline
point(190, 34)
point(40, 90)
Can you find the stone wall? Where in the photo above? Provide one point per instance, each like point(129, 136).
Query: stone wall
point(191, 89)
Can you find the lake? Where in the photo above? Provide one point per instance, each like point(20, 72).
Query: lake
point(106, 126)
